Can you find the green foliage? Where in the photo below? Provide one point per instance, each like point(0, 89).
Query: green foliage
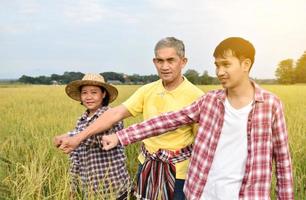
point(113, 76)
point(194, 77)
point(71, 76)
point(26, 79)
point(138, 79)
point(300, 70)
point(54, 78)
point(285, 72)
point(205, 79)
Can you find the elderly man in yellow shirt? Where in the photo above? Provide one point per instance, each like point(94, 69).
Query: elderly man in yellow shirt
point(163, 159)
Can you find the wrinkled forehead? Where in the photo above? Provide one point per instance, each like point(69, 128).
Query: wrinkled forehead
point(166, 52)
point(169, 50)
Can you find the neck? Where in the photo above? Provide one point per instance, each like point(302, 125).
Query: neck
point(91, 112)
point(241, 95)
point(173, 84)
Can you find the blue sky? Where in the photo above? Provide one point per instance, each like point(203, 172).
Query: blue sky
point(41, 37)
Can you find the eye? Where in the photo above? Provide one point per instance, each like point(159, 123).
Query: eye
point(160, 61)
point(171, 60)
point(226, 64)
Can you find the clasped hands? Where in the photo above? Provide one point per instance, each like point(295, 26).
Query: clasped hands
point(68, 143)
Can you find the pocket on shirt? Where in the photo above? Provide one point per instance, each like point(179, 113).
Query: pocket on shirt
point(262, 138)
point(261, 130)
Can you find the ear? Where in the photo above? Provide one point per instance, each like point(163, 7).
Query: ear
point(247, 64)
point(154, 61)
point(184, 62)
point(104, 94)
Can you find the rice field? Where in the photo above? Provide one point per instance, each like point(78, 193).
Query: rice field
point(31, 168)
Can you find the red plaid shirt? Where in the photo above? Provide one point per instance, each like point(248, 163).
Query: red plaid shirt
point(267, 141)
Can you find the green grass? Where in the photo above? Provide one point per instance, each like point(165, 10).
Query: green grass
point(31, 168)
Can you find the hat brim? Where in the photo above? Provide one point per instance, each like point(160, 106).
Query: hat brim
point(73, 89)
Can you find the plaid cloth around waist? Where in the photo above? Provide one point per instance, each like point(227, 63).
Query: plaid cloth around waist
point(157, 177)
point(168, 156)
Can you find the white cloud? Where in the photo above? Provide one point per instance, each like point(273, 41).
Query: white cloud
point(29, 7)
point(10, 29)
point(91, 11)
point(19, 16)
point(86, 11)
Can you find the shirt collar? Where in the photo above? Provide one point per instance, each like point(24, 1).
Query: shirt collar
point(96, 114)
point(178, 88)
point(258, 96)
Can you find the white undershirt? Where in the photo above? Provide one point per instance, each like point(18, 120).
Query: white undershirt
point(227, 170)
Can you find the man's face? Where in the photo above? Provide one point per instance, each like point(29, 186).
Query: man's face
point(168, 64)
point(230, 70)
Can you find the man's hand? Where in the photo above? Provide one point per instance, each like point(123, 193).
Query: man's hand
point(109, 141)
point(57, 140)
point(69, 144)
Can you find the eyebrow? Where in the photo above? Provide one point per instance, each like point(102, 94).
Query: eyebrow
point(221, 62)
point(159, 59)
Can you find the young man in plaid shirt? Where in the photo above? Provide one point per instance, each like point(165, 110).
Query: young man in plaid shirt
point(242, 130)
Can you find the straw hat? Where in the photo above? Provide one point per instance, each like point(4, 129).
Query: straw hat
point(73, 88)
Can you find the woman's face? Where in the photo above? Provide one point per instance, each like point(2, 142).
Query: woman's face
point(92, 97)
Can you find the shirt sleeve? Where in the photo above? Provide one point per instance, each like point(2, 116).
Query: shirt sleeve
point(281, 155)
point(160, 124)
point(116, 127)
point(72, 133)
point(134, 103)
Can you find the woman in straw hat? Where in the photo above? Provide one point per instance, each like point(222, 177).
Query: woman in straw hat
point(95, 172)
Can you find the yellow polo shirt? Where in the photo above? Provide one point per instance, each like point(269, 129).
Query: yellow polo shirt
point(152, 100)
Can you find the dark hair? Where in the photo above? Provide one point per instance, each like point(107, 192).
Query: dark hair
point(105, 101)
point(240, 48)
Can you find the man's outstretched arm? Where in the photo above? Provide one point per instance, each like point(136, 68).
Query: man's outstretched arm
point(103, 123)
point(154, 126)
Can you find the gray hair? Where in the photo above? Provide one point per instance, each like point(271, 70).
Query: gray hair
point(171, 42)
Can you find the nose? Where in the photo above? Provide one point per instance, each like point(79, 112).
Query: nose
point(88, 96)
point(220, 71)
point(164, 65)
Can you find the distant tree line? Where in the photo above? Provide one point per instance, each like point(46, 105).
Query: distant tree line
point(116, 78)
point(289, 72)
point(204, 79)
